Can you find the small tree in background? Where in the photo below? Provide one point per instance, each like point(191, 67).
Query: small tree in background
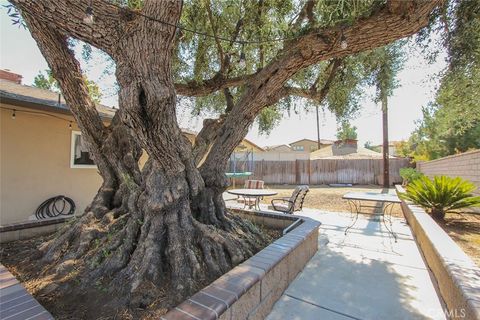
point(48, 82)
point(346, 131)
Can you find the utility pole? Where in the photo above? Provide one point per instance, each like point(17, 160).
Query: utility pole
point(318, 130)
point(386, 165)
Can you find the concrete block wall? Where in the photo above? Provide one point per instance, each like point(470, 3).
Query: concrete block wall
point(31, 229)
point(457, 276)
point(465, 165)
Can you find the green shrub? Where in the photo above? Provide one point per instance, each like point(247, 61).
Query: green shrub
point(409, 174)
point(441, 195)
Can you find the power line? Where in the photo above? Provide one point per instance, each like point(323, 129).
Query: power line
point(89, 20)
point(205, 34)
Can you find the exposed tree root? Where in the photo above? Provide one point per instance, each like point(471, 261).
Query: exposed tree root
point(150, 245)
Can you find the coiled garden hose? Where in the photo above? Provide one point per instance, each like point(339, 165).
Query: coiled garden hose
point(54, 207)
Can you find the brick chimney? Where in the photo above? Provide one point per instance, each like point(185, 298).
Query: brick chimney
point(6, 74)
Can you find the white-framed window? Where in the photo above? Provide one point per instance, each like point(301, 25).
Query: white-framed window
point(298, 148)
point(79, 156)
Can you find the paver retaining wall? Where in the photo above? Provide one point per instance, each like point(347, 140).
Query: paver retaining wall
point(250, 290)
point(16, 303)
point(457, 276)
point(30, 229)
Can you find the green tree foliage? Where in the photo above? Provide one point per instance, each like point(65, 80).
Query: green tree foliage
point(441, 195)
point(47, 81)
point(385, 66)
point(451, 123)
point(268, 118)
point(409, 174)
point(202, 57)
point(346, 131)
point(402, 149)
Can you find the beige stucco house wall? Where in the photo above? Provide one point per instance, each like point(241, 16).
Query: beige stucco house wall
point(308, 145)
point(298, 150)
point(35, 164)
point(35, 152)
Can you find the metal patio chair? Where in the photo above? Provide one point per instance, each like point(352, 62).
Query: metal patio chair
point(293, 203)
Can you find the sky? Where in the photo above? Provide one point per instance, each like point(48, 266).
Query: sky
point(19, 53)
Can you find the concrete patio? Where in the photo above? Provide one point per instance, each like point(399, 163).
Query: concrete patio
point(361, 275)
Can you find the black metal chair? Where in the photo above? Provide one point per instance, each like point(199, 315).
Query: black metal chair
point(293, 203)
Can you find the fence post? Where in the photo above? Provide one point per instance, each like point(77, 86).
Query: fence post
point(297, 172)
point(263, 170)
point(309, 171)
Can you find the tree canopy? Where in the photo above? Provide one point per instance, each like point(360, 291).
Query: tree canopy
point(346, 131)
point(337, 86)
point(451, 123)
point(215, 34)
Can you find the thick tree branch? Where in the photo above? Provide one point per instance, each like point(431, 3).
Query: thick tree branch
point(103, 142)
point(229, 100)
point(205, 137)
point(398, 19)
point(377, 30)
point(218, 82)
point(381, 28)
point(67, 17)
point(66, 70)
point(306, 12)
point(313, 93)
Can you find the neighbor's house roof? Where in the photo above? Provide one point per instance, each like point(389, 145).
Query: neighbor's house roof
point(269, 148)
point(361, 153)
point(49, 101)
point(41, 99)
point(322, 141)
point(250, 144)
point(246, 143)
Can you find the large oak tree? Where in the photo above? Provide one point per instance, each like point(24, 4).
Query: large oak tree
point(165, 225)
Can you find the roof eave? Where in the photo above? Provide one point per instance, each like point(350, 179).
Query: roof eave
point(41, 104)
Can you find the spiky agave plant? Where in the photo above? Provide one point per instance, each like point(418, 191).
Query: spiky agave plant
point(441, 195)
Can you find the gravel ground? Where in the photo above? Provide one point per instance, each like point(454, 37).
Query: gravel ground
point(328, 198)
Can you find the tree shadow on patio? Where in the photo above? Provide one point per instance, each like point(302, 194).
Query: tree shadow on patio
point(334, 286)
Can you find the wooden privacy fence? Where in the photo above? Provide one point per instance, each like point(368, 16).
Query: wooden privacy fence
point(325, 171)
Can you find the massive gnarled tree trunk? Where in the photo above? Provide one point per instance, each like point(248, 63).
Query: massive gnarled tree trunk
point(147, 229)
point(166, 225)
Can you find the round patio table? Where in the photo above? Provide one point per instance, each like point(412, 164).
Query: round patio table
point(252, 193)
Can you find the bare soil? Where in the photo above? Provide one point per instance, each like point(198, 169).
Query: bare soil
point(20, 258)
point(463, 227)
